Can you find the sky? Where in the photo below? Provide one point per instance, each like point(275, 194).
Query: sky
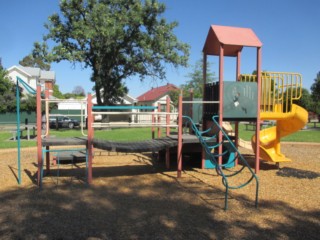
point(288, 30)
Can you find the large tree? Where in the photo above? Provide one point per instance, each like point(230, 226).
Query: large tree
point(117, 39)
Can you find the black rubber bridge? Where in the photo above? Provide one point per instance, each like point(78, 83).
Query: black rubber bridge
point(127, 147)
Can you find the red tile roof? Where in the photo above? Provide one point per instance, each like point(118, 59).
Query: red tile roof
point(156, 93)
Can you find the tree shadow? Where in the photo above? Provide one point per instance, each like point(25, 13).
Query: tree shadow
point(131, 208)
point(297, 173)
point(144, 201)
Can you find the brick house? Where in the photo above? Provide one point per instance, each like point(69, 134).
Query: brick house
point(156, 95)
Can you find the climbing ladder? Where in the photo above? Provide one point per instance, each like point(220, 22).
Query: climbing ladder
point(207, 139)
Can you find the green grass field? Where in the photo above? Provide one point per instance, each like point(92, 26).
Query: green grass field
point(138, 134)
point(309, 135)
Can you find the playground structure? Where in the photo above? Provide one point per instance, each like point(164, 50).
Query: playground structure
point(264, 96)
point(45, 142)
point(278, 92)
point(273, 94)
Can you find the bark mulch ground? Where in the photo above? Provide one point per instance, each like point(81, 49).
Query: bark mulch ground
point(135, 197)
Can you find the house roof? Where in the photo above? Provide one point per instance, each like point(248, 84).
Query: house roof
point(233, 40)
point(36, 72)
point(156, 93)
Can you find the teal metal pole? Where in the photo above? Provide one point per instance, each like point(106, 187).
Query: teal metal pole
point(18, 131)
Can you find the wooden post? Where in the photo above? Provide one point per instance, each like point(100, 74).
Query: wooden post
point(257, 163)
point(153, 122)
point(39, 132)
point(47, 129)
point(236, 128)
point(179, 149)
point(191, 109)
point(159, 120)
point(168, 100)
point(90, 138)
point(168, 131)
point(221, 68)
point(204, 75)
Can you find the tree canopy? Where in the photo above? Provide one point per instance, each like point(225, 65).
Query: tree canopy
point(39, 57)
point(117, 39)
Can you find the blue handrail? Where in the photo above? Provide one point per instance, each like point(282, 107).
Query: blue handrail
point(31, 91)
point(208, 147)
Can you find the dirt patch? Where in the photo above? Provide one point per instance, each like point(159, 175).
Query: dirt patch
point(135, 197)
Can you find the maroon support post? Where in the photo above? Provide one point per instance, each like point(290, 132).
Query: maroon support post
point(179, 150)
point(90, 138)
point(39, 132)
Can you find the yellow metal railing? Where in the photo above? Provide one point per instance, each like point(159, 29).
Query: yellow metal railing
point(278, 90)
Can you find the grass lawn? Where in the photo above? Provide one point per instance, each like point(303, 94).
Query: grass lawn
point(308, 135)
point(121, 134)
point(138, 134)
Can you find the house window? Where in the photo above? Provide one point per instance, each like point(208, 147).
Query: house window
point(163, 108)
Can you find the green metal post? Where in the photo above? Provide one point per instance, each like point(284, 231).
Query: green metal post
point(18, 131)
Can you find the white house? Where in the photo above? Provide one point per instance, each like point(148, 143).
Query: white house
point(74, 104)
point(30, 75)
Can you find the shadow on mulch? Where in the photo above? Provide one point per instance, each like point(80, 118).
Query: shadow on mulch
point(107, 212)
point(265, 166)
point(297, 173)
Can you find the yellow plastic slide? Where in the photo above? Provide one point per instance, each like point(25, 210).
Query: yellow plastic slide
point(287, 123)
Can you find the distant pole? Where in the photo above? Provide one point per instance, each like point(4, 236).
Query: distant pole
point(18, 131)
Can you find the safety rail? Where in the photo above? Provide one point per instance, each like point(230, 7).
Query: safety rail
point(206, 138)
point(82, 115)
point(278, 90)
point(153, 119)
point(57, 152)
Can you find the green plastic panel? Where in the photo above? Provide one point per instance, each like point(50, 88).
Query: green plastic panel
point(240, 100)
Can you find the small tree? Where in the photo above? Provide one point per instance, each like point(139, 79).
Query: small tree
point(305, 101)
point(174, 97)
point(57, 93)
point(7, 92)
point(315, 94)
point(195, 80)
point(78, 91)
point(28, 104)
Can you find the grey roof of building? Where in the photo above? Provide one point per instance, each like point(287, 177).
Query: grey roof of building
point(37, 72)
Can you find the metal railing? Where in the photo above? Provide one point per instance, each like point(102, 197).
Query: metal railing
point(278, 90)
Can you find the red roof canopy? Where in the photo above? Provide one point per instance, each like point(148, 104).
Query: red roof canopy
point(233, 40)
point(156, 93)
